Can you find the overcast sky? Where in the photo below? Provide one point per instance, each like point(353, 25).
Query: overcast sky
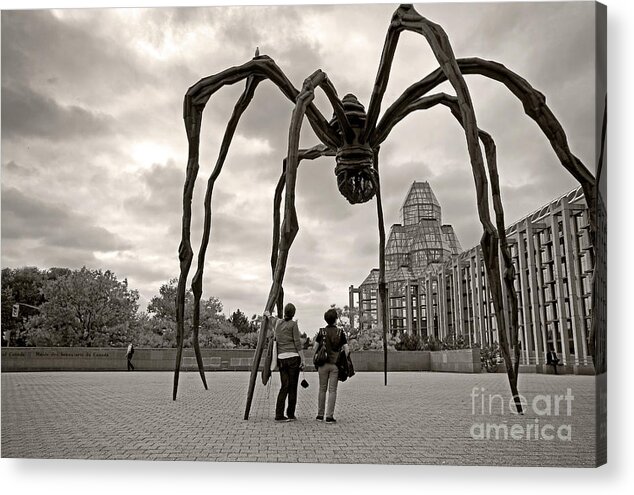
point(94, 149)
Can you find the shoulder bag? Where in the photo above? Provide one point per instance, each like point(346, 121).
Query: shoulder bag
point(321, 355)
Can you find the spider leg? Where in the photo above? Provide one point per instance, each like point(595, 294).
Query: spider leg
point(595, 343)
point(264, 67)
point(307, 154)
point(452, 103)
point(535, 107)
point(381, 284)
point(406, 18)
point(290, 225)
point(260, 68)
point(509, 269)
point(241, 106)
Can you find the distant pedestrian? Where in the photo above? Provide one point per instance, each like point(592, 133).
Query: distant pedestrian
point(552, 359)
point(128, 355)
point(290, 360)
point(335, 341)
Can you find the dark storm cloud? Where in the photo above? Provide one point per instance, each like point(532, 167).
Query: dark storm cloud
point(26, 113)
point(53, 225)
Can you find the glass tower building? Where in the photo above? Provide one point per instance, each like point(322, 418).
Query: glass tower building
point(435, 288)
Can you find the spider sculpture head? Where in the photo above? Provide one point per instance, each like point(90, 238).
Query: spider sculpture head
point(357, 178)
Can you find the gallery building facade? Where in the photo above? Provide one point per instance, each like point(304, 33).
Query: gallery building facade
point(436, 289)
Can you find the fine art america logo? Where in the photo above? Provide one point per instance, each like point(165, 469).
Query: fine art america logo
point(546, 417)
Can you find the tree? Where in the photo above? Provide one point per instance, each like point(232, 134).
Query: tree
point(240, 321)
point(24, 287)
point(249, 340)
point(215, 330)
point(347, 316)
point(358, 340)
point(149, 332)
point(85, 308)
point(372, 339)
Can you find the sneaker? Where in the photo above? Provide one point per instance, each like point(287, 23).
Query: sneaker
point(319, 418)
point(292, 418)
point(331, 420)
point(283, 419)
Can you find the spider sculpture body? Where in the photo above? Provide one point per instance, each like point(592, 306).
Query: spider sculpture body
point(354, 138)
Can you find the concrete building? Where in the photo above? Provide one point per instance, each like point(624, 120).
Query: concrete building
point(436, 289)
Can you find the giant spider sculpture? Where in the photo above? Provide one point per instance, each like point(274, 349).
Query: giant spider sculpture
point(354, 137)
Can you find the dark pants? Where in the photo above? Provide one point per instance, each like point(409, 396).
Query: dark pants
point(130, 365)
point(289, 375)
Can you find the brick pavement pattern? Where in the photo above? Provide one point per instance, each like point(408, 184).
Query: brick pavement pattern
point(419, 418)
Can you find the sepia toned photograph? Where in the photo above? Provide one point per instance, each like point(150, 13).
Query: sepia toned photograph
point(333, 234)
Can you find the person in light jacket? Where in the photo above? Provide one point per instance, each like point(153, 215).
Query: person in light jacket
point(290, 361)
point(335, 341)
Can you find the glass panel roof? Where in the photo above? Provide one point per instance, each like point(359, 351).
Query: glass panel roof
point(420, 203)
point(419, 240)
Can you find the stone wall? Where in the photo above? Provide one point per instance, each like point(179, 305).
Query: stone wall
point(114, 359)
point(396, 361)
point(459, 361)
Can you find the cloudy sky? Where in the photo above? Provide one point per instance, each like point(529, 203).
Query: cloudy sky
point(94, 148)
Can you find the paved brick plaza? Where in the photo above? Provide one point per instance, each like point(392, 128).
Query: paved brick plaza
point(420, 418)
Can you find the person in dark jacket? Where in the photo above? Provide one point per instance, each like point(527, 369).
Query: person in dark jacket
point(335, 341)
point(552, 359)
point(290, 361)
point(129, 353)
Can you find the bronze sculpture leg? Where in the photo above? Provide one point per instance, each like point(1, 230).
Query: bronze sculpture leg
point(406, 18)
point(382, 284)
point(290, 225)
point(307, 154)
point(261, 67)
point(241, 106)
point(451, 102)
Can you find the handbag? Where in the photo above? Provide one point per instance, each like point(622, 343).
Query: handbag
point(321, 354)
